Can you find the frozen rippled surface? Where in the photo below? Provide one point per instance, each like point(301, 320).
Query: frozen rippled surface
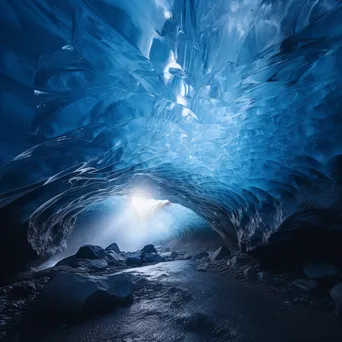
point(231, 108)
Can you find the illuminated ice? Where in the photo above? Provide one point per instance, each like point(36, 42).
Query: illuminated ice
point(230, 108)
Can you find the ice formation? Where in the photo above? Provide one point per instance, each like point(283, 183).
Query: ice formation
point(230, 108)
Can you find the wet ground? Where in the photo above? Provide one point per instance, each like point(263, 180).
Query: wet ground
point(174, 302)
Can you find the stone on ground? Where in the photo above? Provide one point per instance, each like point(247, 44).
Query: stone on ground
point(95, 265)
point(69, 295)
point(152, 258)
point(319, 271)
point(196, 321)
point(66, 261)
point(199, 255)
point(114, 258)
point(148, 249)
point(264, 277)
point(203, 264)
point(134, 261)
point(220, 253)
point(336, 292)
point(22, 290)
point(239, 260)
point(113, 247)
point(250, 273)
point(305, 285)
point(90, 252)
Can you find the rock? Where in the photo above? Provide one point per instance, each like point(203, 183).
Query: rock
point(319, 271)
point(202, 267)
point(22, 290)
point(199, 255)
point(305, 285)
point(113, 247)
point(95, 265)
point(220, 253)
point(90, 252)
point(66, 261)
point(203, 264)
point(250, 273)
point(140, 282)
point(174, 255)
point(187, 256)
point(114, 258)
point(195, 321)
point(69, 295)
point(264, 277)
point(239, 260)
point(148, 249)
point(134, 261)
point(336, 292)
point(152, 257)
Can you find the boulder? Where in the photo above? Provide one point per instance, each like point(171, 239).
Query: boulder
point(220, 253)
point(195, 321)
point(66, 261)
point(239, 260)
point(305, 285)
point(250, 273)
point(113, 247)
point(199, 255)
point(22, 290)
point(174, 255)
point(264, 277)
point(96, 264)
point(203, 264)
point(187, 256)
point(69, 295)
point(148, 249)
point(319, 271)
point(114, 258)
point(336, 292)
point(152, 257)
point(90, 252)
point(134, 261)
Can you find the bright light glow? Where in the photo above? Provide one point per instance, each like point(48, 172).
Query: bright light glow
point(147, 207)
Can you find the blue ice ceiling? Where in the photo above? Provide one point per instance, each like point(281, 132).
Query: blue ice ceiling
point(230, 108)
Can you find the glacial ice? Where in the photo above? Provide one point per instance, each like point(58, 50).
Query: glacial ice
point(230, 108)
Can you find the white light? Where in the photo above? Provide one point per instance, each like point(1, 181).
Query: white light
point(167, 14)
point(147, 207)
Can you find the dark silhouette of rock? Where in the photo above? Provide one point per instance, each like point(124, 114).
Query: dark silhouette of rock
point(203, 264)
point(319, 271)
point(148, 249)
point(92, 264)
point(196, 321)
point(220, 253)
point(114, 258)
point(305, 285)
point(22, 290)
point(152, 258)
point(70, 295)
point(113, 247)
point(264, 277)
point(250, 273)
point(90, 252)
point(66, 261)
point(134, 261)
point(336, 292)
point(199, 255)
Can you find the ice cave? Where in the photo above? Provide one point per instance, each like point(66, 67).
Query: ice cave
point(181, 148)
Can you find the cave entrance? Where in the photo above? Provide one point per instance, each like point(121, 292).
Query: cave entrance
point(135, 220)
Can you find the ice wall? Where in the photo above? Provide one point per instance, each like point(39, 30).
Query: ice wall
point(230, 108)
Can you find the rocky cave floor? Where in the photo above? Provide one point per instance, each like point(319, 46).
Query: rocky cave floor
point(163, 295)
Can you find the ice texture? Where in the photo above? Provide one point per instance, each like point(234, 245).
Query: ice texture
point(230, 108)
